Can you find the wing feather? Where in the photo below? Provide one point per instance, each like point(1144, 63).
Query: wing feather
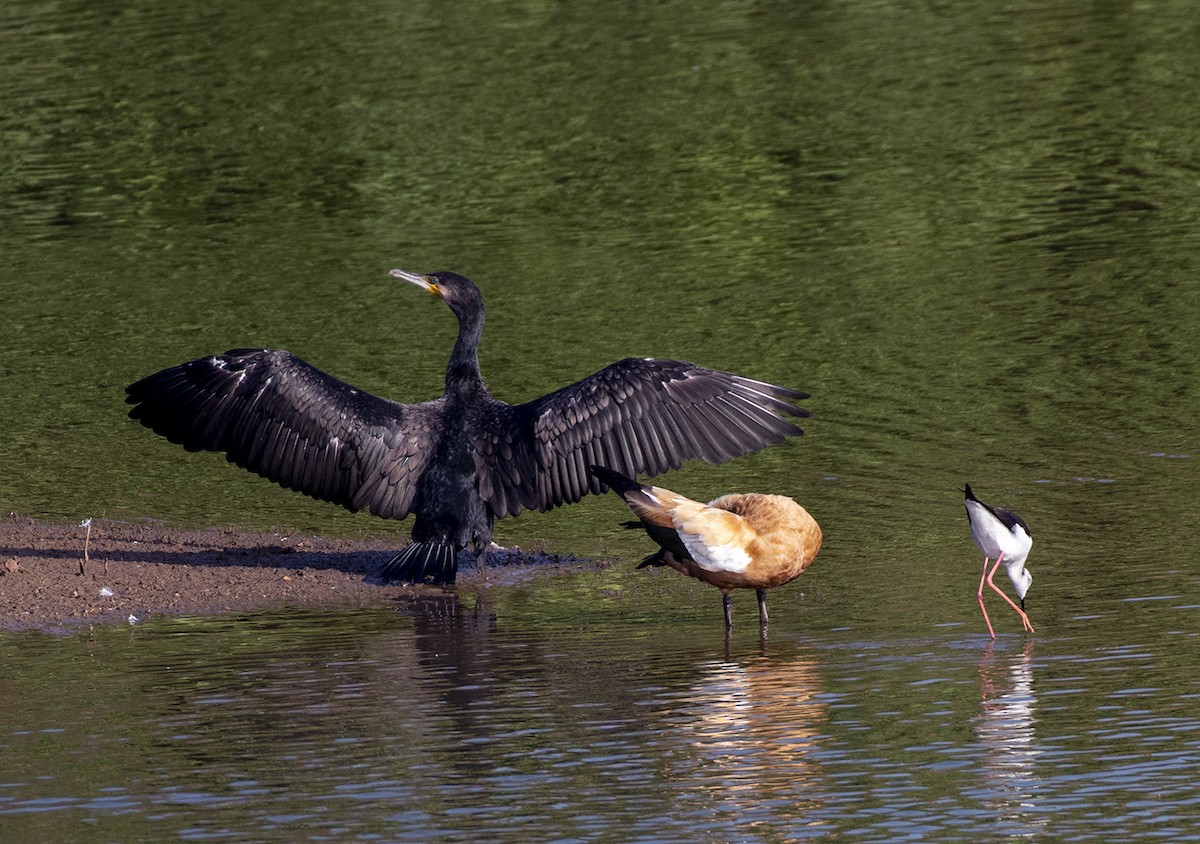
point(655, 432)
point(277, 416)
point(643, 416)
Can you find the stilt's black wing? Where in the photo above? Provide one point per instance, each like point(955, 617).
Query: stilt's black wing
point(639, 416)
point(279, 417)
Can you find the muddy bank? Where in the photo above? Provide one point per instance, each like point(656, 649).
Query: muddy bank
point(148, 569)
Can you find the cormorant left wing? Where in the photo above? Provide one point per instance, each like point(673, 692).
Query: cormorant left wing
point(639, 416)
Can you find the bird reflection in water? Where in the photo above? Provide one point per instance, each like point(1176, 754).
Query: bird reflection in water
point(449, 655)
point(750, 729)
point(1005, 728)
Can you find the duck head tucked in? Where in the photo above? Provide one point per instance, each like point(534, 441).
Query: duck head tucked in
point(738, 541)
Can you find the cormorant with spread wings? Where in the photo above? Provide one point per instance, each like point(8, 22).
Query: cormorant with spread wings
point(463, 459)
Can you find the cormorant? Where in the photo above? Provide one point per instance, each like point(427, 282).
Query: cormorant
point(738, 541)
point(463, 459)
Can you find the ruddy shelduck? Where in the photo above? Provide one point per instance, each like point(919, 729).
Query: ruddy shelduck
point(1001, 535)
point(738, 541)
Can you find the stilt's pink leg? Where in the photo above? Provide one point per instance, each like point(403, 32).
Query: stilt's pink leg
point(1000, 592)
point(979, 595)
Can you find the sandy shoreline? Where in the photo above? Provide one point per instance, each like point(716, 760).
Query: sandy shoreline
point(146, 570)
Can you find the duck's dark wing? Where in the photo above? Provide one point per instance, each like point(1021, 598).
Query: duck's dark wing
point(279, 417)
point(638, 417)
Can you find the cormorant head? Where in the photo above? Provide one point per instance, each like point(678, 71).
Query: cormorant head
point(459, 293)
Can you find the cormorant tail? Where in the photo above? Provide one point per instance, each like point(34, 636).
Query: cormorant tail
point(423, 562)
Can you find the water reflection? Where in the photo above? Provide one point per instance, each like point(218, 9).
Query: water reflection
point(686, 737)
point(453, 722)
point(450, 653)
point(751, 729)
point(1005, 727)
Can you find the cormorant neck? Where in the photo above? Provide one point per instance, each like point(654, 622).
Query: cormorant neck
point(463, 369)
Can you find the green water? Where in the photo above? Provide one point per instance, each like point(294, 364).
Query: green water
point(968, 231)
point(508, 720)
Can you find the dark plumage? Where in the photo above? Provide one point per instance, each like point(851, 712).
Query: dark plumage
point(465, 458)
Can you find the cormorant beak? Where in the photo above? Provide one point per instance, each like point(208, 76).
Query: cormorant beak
point(421, 281)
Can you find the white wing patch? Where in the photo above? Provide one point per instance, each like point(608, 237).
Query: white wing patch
point(715, 558)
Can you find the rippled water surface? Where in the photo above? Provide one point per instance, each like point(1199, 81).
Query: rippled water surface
point(969, 231)
point(473, 721)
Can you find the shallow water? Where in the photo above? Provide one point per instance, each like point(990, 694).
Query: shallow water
point(470, 720)
point(969, 232)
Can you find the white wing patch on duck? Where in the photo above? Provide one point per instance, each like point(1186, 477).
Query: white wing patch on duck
point(715, 539)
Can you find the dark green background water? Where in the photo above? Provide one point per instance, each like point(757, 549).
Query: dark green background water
point(968, 230)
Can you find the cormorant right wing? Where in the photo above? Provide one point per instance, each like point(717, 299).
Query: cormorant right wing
point(277, 416)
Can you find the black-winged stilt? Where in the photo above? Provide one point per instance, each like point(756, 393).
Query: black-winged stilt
point(1001, 535)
